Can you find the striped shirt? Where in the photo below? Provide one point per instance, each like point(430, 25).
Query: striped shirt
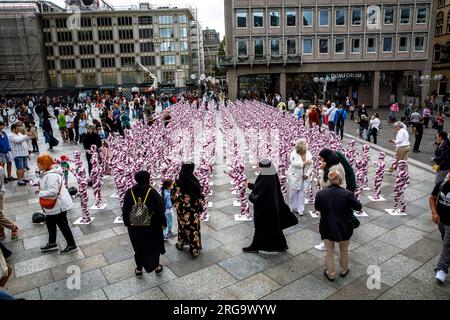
point(19, 146)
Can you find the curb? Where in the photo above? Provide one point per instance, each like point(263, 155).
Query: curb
point(416, 163)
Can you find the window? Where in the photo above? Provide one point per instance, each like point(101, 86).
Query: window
point(168, 60)
point(356, 17)
point(448, 23)
point(308, 18)
point(126, 34)
point(165, 19)
point(389, 15)
point(182, 19)
point(242, 47)
point(148, 60)
point(371, 45)
point(107, 48)
point(145, 20)
point(387, 44)
point(145, 33)
point(126, 47)
point(109, 77)
point(291, 45)
point(184, 45)
point(258, 47)
point(46, 24)
point(65, 51)
point(105, 35)
point(372, 17)
point(87, 63)
point(241, 17)
point(127, 61)
point(307, 46)
point(441, 3)
point(89, 79)
point(84, 35)
point(437, 53)
point(275, 46)
point(405, 14)
point(274, 18)
point(125, 21)
point(403, 44)
point(49, 51)
point(339, 45)
point(168, 76)
point(183, 32)
point(419, 44)
point(291, 18)
point(356, 45)
point(61, 23)
point(323, 45)
point(340, 17)
point(104, 22)
point(421, 17)
point(147, 47)
point(439, 23)
point(67, 64)
point(185, 59)
point(166, 32)
point(108, 62)
point(47, 36)
point(167, 46)
point(69, 80)
point(86, 22)
point(324, 17)
point(65, 36)
point(51, 64)
point(258, 19)
point(86, 49)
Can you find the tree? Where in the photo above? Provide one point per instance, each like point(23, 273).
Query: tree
point(222, 48)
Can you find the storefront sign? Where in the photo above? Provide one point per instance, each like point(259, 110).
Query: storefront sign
point(346, 75)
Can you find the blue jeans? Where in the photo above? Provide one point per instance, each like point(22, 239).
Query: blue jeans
point(4, 296)
point(169, 217)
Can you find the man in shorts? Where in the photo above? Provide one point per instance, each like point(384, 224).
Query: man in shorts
point(19, 151)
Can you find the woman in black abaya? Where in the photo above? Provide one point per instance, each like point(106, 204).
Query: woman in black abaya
point(147, 242)
point(188, 199)
point(271, 214)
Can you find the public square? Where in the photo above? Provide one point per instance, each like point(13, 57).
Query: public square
point(406, 248)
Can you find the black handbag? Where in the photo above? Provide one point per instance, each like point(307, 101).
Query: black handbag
point(355, 222)
point(39, 217)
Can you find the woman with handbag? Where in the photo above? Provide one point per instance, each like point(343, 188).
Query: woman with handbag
point(299, 173)
point(55, 201)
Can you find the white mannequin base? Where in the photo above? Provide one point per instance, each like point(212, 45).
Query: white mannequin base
point(235, 192)
point(395, 212)
point(211, 183)
point(360, 214)
point(103, 206)
point(210, 204)
point(366, 189)
point(376, 200)
point(80, 222)
point(314, 214)
point(115, 195)
point(308, 201)
point(118, 220)
point(206, 219)
point(239, 218)
point(236, 203)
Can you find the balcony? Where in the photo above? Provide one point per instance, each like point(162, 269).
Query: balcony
point(234, 61)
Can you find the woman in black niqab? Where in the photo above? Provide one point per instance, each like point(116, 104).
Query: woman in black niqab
point(271, 213)
point(331, 158)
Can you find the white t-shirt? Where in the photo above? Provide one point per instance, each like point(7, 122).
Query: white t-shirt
point(375, 123)
point(402, 138)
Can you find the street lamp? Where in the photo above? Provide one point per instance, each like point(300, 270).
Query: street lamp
point(324, 81)
point(439, 78)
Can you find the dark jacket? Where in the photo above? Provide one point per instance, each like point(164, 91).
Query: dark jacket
point(336, 206)
point(442, 156)
point(90, 139)
point(4, 143)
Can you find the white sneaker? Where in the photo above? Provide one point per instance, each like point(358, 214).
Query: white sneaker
point(320, 247)
point(441, 276)
point(301, 213)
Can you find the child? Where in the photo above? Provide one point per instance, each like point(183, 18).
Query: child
point(34, 137)
point(166, 195)
point(66, 168)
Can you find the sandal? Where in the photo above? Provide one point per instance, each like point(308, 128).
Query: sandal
point(159, 270)
point(179, 246)
point(139, 274)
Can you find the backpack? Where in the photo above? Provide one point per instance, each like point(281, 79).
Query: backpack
point(340, 120)
point(349, 173)
point(140, 215)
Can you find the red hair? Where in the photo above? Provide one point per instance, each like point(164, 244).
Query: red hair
point(46, 161)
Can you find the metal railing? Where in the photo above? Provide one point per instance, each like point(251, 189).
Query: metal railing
point(233, 61)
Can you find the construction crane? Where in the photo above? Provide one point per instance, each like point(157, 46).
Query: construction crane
point(139, 67)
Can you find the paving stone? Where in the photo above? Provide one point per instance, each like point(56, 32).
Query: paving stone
point(120, 254)
point(94, 237)
point(120, 230)
point(358, 290)
point(45, 262)
point(119, 271)
point(423, 223)
point(103, 221)
point(85, 265)
point(59, 291)
point(302, 241)
point(253, 288)
point(397, 268)
point(209, 243)
point(390, 222)
point(197, 285)
point(235, 247)
point(426, 275)
point(152, 294)
point(368, 232)
point(402, 237)
point(42, 240)
point(233, 233)
point(423, 250)
point(422, 202)
point(219, 220)
point(102, 246)
point(411, 289)
point(133, 285)
point(29, 282)
point(294, 268)
point(306, 288)
point(206, 259)
point(95, 295)
point(435, 235)
point(374, 253)
point(356, 271)
point(229, 210)
point(31, 295)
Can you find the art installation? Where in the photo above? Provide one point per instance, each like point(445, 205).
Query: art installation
point(80, 174)
point(402, 181)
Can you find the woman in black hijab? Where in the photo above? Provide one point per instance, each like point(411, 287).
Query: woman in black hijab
point(271, 214)
point(147, 241)
point(188, 199)
point(330, 162)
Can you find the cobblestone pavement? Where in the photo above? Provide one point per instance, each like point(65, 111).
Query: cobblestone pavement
point(406, 248)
